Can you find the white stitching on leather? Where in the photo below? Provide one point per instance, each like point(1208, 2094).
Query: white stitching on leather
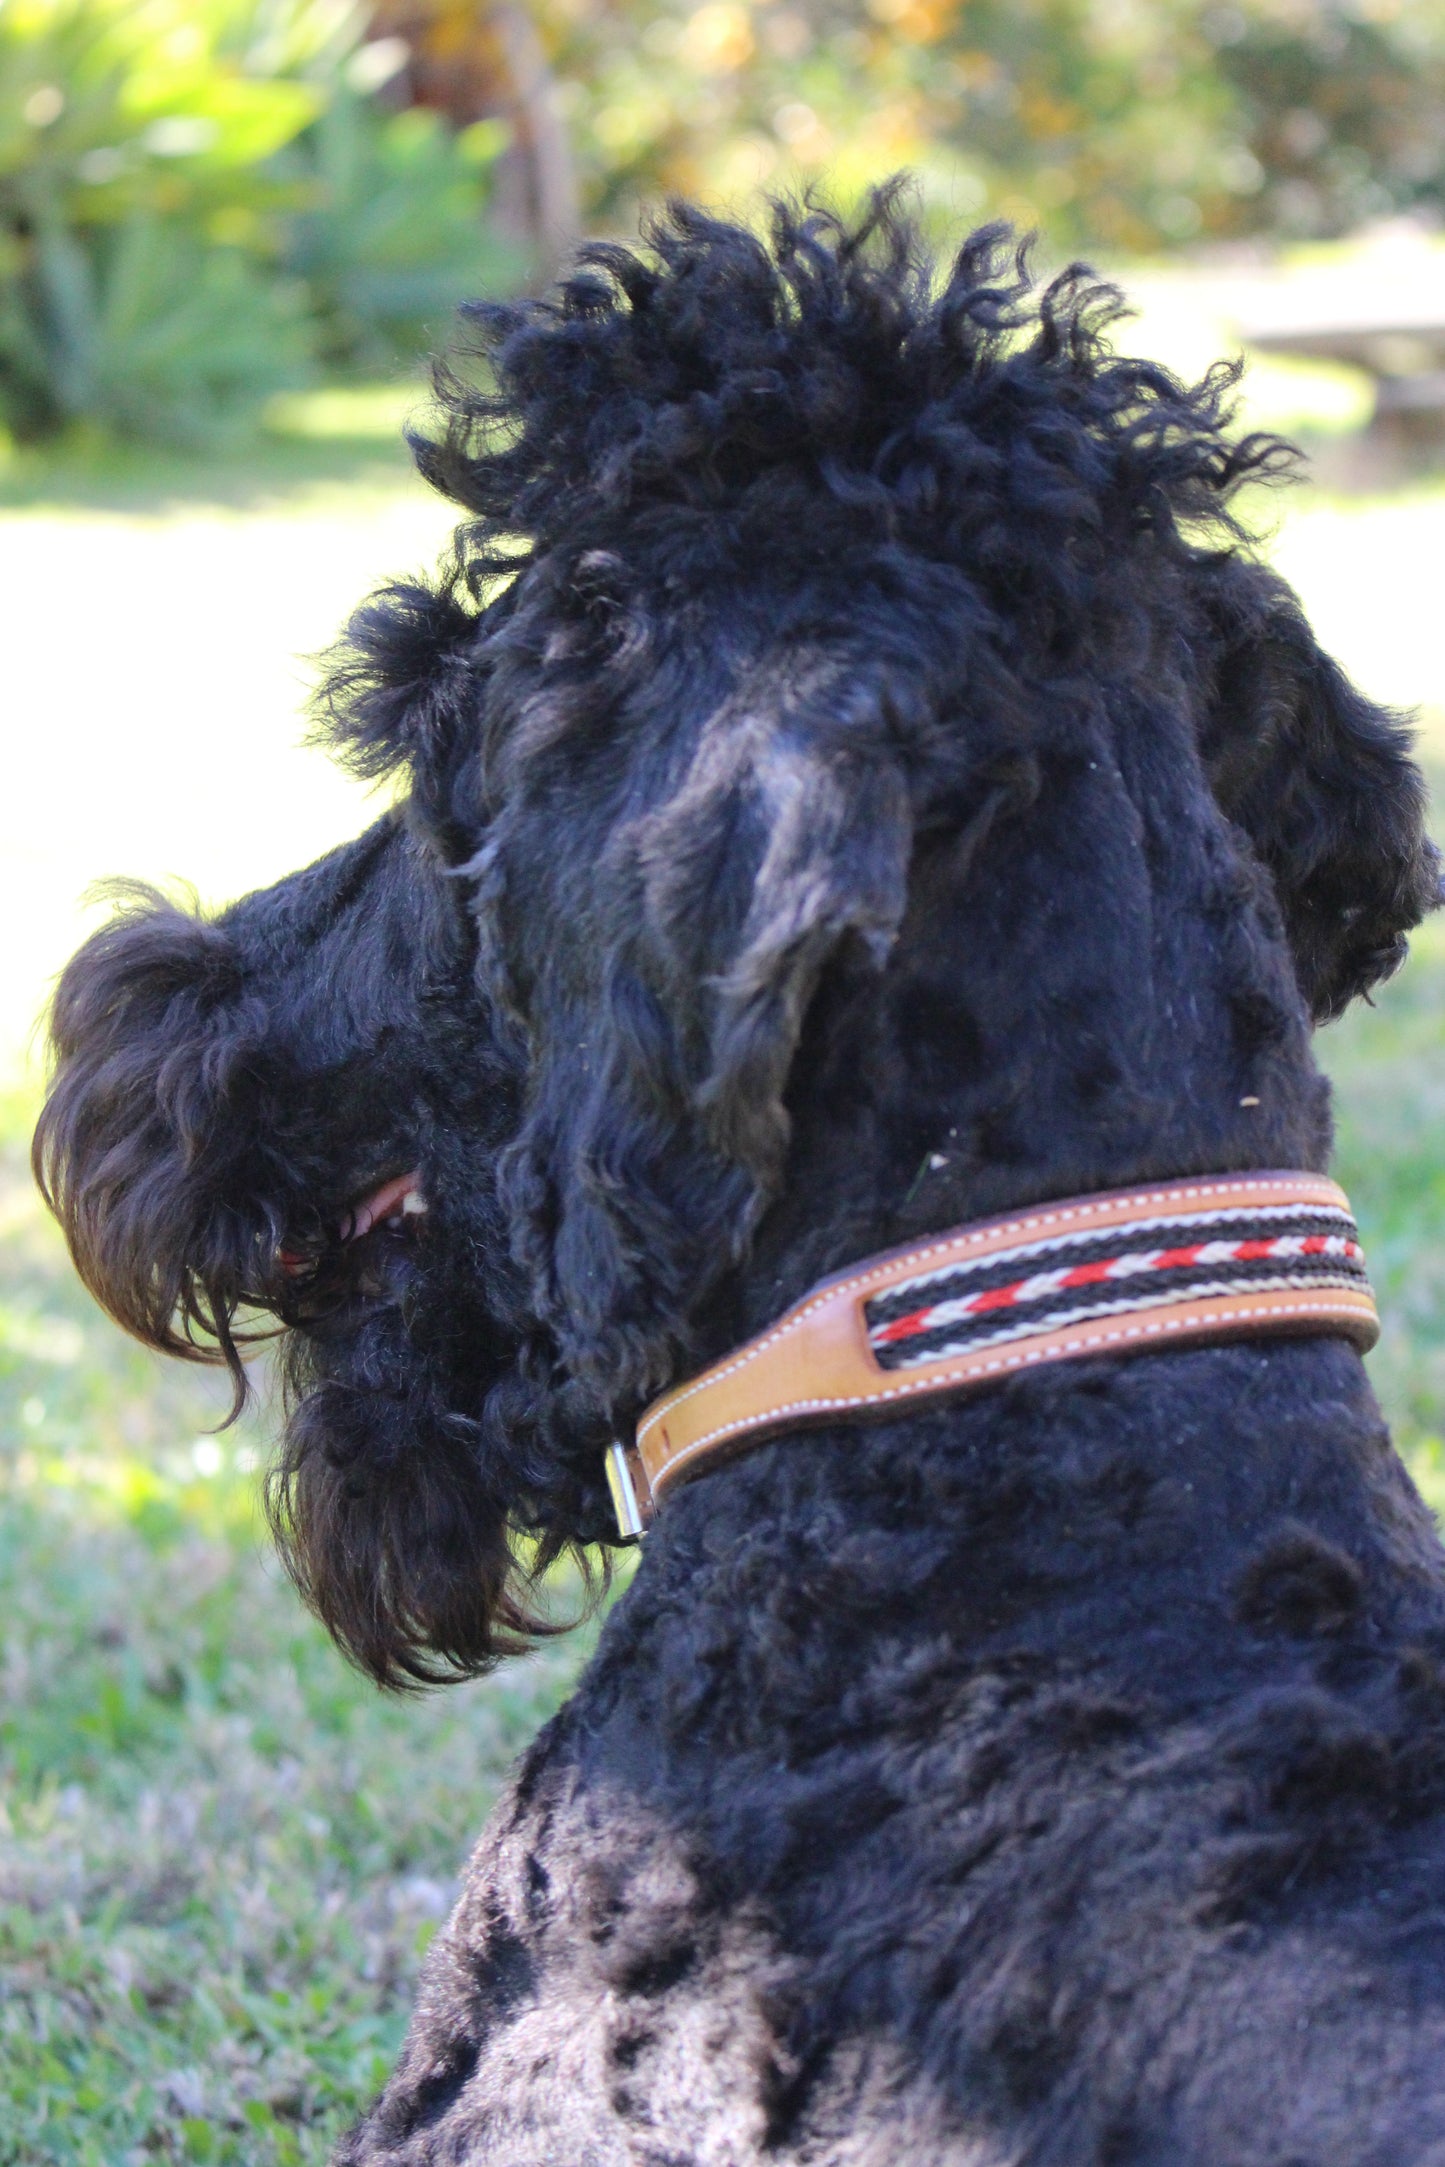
point(1023, 1358)
point(1074, 1213)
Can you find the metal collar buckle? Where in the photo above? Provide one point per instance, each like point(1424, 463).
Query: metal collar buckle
point(624, 1472)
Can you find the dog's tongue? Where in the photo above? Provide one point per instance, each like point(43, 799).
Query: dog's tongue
point(397, 1199)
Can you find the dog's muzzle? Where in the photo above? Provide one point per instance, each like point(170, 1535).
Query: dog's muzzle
point(1135, 1271)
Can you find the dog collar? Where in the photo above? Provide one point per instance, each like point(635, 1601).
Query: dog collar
point(1179, 1264)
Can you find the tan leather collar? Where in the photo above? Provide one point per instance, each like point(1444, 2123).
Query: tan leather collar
point(1175, 1264)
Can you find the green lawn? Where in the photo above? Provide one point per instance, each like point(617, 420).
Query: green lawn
point(221, 1854)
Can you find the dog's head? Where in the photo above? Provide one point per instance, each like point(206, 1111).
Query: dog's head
point(284, 1119)
point(880, 644)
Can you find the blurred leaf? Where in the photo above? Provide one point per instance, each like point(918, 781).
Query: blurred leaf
point(217, 119)
point(195, 202)
point(393, 236)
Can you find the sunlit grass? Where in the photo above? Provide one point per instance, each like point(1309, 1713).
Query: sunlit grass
point(346, 413)
point(157, 663)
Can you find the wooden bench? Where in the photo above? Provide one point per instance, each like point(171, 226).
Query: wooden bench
point(1401, 348)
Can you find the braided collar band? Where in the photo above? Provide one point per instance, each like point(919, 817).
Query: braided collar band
point(1184, 1263)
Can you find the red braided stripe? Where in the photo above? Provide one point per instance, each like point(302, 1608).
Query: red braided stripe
point(1128, 1264)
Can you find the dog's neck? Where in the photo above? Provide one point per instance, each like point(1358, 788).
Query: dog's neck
point(990, 1068)
point(995, 1063)
point(1102, 1520)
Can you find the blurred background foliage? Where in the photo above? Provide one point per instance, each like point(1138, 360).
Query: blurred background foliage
point(1128, 125)
point(203, 202)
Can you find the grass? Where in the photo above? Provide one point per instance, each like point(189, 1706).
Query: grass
point(1385, 1063)
point(221, 1853)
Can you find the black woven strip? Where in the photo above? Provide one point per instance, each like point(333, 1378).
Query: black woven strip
point(1072, 1251)
point(1075, 1303)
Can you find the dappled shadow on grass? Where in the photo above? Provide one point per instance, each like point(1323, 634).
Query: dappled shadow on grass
point(225, 1852)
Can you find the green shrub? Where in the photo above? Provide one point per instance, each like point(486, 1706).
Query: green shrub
point(133, 291)
point(159, 335)
point(392, 237)
point(197, 204)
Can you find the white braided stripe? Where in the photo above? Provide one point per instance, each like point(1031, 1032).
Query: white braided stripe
point(1208, 1201)
point(1048, 1286)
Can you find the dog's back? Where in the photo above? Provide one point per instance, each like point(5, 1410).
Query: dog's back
point(1058, 1780)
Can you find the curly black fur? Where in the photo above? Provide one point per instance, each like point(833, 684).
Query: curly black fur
point(224, 1090)
point(859, 779)
point(828, 581)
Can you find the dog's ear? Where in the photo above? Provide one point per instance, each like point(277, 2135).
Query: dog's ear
point(1323, 783)
point(400, 695)
point(830, 832)
point(774, 845)
point(148, 1144)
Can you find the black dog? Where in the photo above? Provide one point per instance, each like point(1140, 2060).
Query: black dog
point(860, 781)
